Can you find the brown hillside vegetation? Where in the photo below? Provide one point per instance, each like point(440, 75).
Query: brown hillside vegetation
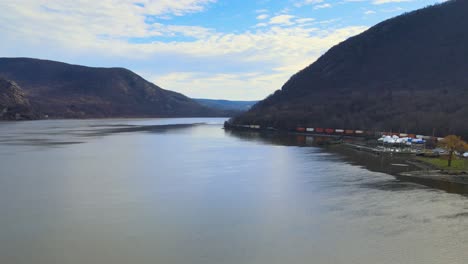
point(409, 73)
point(61, 90)
point(13, 102)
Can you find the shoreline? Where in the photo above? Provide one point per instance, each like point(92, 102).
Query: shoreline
point(402, 166)
point(108, 118)
point(422, 173)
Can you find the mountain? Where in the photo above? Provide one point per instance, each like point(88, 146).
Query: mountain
point(408, 73)
point(13, 103)
point(62, 90)
point(240, 106)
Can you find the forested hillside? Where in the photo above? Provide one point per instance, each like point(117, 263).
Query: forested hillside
point(409, 73)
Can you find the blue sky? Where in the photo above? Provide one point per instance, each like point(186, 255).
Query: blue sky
point(229, 49)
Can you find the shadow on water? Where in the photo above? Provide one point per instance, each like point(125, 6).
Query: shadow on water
point(132, 128)
point(387, 163)
point(60, 136)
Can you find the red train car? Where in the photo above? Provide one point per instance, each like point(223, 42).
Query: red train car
point(319, 130)
point(301, 129)
point(329, 130)
point(349, 132)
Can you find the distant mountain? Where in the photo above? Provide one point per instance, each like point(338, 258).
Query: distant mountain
point(240, 106)
point(13, 103)
point(409, 73)
point(61, 90)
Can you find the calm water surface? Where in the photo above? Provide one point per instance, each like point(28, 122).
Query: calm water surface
point(145, 191)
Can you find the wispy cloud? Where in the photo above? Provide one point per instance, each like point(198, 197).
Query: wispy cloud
point(252, 63)
point(380, 2)
point(153, 38)
point(307, 2)
point(326, 5)
point(281, 20)
point(266, 60)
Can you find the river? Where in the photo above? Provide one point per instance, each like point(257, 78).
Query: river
point(184, 191)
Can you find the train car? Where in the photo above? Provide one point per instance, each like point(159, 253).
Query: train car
point(300, 129)
point(329, 130)
point(339, 131)
point(349, 132)
point(359, 132)
point(419, 136)
point(255, 126)
point(309, 129)
point(319, 130)
point(403, 135)
point(411, 135)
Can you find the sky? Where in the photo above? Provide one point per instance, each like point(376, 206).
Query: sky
point(218, 49)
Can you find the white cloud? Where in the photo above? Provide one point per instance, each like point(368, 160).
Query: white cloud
point(243, 86)
point(267, 58)
point(304, 20)
point(259, 11)
point(262, 16)
point(326, 5)
point(122, 18)
point(380, 2)
point(243, 65)
point(261, 25)
point(281, 20)
point(308, 2)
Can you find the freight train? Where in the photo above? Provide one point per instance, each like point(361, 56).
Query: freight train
point(338, 132)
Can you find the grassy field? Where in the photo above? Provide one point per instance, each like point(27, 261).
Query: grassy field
point(458, 164)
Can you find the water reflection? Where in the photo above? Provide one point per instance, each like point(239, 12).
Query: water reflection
point(196, 194)
point(379, 162)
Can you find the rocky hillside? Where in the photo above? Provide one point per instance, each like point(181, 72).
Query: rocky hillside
point(13, 103)
point(408, 73)
point(61, 90)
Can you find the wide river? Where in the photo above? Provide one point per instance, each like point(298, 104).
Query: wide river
point(143, 191)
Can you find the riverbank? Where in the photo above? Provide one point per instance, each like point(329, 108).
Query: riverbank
point(404, 166)
point(409, 167)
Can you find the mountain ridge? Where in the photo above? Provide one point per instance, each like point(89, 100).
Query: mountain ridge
point(407, 73)
point(62, 90)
